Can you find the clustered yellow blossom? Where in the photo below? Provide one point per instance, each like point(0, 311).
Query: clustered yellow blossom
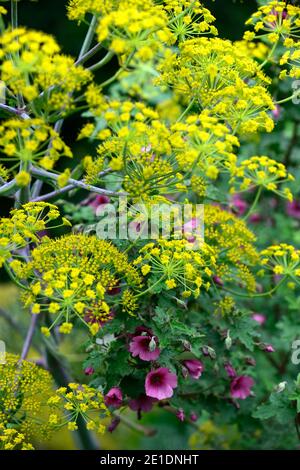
point(23, 227)
point(261, 172)
point(71, 277)
point(25, 389)
point(257, 50)
point(11, 439)
point(291, 58)
point(26, 141)
point(281, 260)
point(222, 78)
point(233, 243)
point(275, 20)
point(144, 26)
point(31, 65)
point(153, 157)
point(176, 266)
point(78, 401)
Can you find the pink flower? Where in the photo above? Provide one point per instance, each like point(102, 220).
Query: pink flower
point(98, 201)
point(160, 383)
point(259, 318)
point(230, 370)
point(194, 367)
point(145, 347)
point(114, 397)
point(217, 280)
point(89, 370)
point(193, 416)
point(239, 205)
point(240, 386)
point(293, 209)
point(255, 218)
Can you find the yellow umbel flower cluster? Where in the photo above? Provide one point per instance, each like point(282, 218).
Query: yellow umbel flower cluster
point(144, 26)
point(292, 59)
point(11, 439)
point(275, 20)
point(78, 401)
point(72, 276)
point(234, 247)
point(219, 76)
point(282, 260)
point(261, 172)
point(153, 157)
point(176, 266)
point(25, 389)
point(30, 64)
point(25, 141)
point(24, 226)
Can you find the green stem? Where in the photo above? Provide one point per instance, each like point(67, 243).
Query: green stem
point(269, 55)
point(88, 38)
point(116, 75)
point(102, 62)
point(186, 110)
point(289, 98)
point(14, 14)
point(250, 296)
point(254, 205)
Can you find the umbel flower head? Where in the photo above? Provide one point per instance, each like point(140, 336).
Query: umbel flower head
point(262, 172)
point(21, 406)
point(23, 227)
point(30, 64)
point(77, 401)
point(291, 59)
point(275, 20)
point(281, 260)
point(26, 141)
point(11, 439)
point(218, 75)
point(71, 277)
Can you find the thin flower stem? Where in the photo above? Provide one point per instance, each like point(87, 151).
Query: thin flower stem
point(250, 296)
point(117, 74)
point(88, 38)
point(53, 194)
point(89, 54)
point(29, 336)
point(135, 426)
point(289, 98)
point(269, 55)
point(102, 62)
point(186, 110)
point(18, 112)
point(14, 14)
point(5, 188)
point(77, 184)
point(254, 205)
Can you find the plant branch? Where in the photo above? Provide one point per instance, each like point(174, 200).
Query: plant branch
point(29, 336)
point(75, 183)
point(16, 111)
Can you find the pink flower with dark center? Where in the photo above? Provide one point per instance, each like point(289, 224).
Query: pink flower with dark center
point(240, 387)
point(194, 367)
point(259, 318)
point(98, 202)
point(145, 347)
point(160, 383)
point(180, 415)
point(230, 370)
point(114, 397)
point(89, 370)
point(293, 209)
